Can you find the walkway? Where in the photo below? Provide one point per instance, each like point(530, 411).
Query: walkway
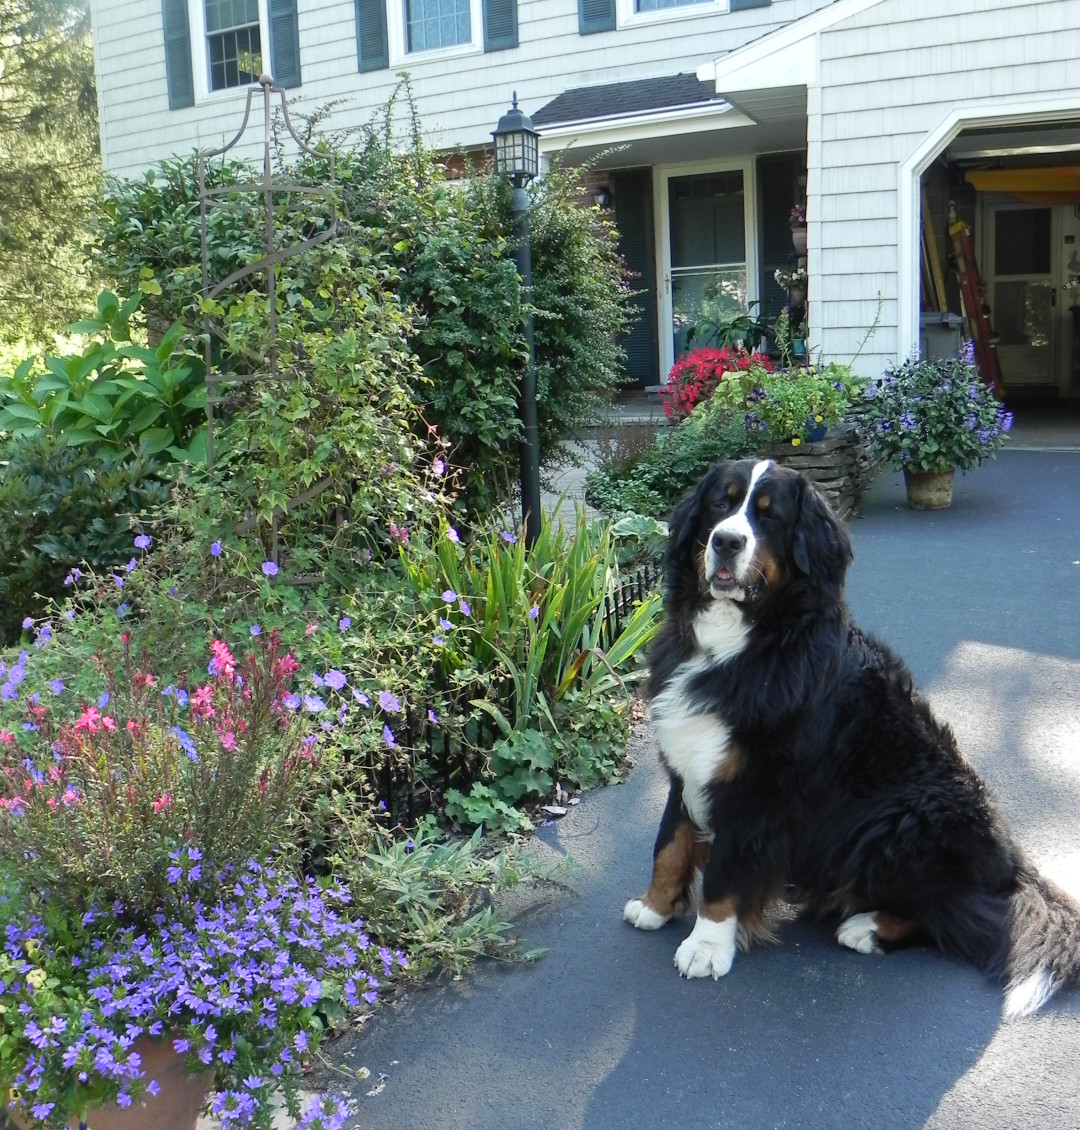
point(601, 1034)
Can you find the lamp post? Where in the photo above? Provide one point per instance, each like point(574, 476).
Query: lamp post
point(517, 157)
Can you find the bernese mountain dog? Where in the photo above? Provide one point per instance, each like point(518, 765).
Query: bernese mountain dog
point(804, 765)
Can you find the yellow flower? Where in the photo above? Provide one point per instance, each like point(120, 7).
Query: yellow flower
point(36, 978)
point(796, 441)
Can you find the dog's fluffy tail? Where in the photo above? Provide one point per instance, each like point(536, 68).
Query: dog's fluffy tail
point(1043, 946)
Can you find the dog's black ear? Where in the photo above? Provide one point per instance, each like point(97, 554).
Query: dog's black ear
point(684, 520)
point(820, 547)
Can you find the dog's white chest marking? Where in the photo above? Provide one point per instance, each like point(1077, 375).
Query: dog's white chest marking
point(696, 741)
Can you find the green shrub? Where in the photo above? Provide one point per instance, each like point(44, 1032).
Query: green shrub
point(63, 506)
point(444, 249)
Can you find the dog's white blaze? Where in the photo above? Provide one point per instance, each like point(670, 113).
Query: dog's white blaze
point(739, 522)
point(859, 933)
point(709, 950)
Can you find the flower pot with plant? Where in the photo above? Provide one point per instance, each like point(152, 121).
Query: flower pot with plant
point(932, 418)
point(149, 851)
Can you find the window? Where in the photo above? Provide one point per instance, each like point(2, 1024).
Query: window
point(391, 32)
point(233, 43)
point(213, 46)
point(431, 24)
point(656, 5)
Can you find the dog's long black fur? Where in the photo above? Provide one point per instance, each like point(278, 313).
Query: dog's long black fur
point(848, 795)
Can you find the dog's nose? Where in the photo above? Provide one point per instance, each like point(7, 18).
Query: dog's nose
point(726, 543)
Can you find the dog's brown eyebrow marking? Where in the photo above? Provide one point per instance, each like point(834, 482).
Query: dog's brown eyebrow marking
point(764, 501)
point(732, 490)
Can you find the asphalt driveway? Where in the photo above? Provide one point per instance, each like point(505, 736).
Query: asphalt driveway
point(983, 600)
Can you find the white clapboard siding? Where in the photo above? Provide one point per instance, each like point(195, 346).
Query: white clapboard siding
point(459, 99)
point(890, 76)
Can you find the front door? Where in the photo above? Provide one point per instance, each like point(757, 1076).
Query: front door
point(709, 259)
point(1027, 302)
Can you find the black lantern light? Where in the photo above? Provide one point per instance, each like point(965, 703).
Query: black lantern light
point(517, 147)
point(517, 157)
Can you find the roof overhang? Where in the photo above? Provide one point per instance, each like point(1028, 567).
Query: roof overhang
point(790, 51)
point(624, 129)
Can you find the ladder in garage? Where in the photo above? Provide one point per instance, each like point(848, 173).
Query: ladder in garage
point(978, 324)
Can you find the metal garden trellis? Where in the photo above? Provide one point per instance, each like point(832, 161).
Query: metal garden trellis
point(270, 190)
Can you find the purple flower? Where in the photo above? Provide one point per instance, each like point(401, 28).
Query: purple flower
point(142, 542)
point(433, 717)
point(534, 612)
point(361, 697)
point(344, 624)
point(270, 568)
point(445, 624)
point(314, 704)
point(130, 566)
point(452, 534)
point(335, 679)
point(439, 467)
point(215, 548)
point(389, 702)
point(388, 736)
point(463, 604)
point(508, 537)
point(292, 701)
point(28, 623)
point(449, 596)
point(118, 581)
point(57, 686)
point(255, 630)
point(438, 641)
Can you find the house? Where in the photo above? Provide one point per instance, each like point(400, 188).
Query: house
point(706, 121)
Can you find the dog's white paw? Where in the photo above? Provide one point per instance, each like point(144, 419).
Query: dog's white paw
point(643, 917)
point(859, 932)
point(710, 949)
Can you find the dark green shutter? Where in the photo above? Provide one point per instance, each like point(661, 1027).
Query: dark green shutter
point(500, 24)
point(632, 191)
point(372, 50)
point(284, 43)
point(595, 15)
point(177, 54)
point(739, 5)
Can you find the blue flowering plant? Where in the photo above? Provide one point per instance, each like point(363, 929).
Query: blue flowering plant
point(149, 853)
point(933, 415)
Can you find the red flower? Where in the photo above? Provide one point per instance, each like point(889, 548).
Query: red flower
point(695, 375)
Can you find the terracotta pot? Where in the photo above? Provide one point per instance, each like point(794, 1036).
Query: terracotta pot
point(798, 238)
point(929, 490)
point(176, 1106)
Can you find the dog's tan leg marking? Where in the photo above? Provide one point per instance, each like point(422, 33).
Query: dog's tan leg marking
point(672, 877)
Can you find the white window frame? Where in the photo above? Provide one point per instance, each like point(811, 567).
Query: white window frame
point(200, 55)
point(395, 35)
point(627, 16)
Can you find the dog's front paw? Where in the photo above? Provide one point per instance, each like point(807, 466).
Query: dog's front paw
point(709, 951)
point(643, 917)
point(859, 933)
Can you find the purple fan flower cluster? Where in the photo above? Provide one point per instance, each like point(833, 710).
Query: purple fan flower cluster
point(232, 984)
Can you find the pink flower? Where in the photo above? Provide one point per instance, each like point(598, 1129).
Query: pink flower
point(228, 740)
point(202, 702)
point(70, 797)
point(223, 662)
point(163, 801)
point(6, 736)
point(310, 630)
point(108, 723)
point(89, 720)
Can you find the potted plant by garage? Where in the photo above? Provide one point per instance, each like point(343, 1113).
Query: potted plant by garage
point(932, 418)
point(159, 939)
point(797, 221)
